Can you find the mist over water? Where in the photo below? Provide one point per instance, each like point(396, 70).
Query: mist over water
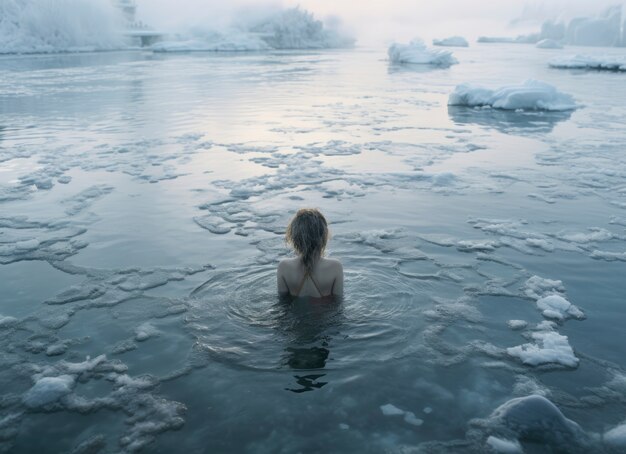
point(475, 195)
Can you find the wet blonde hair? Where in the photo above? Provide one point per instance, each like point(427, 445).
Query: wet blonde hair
point(307, 233)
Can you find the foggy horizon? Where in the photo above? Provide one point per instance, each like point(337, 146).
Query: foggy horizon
point(372, 23)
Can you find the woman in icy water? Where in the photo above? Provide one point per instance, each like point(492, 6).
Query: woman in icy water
point(310, 274)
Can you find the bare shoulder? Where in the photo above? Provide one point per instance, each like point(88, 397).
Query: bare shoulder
point(286, 264)
point(334, 264)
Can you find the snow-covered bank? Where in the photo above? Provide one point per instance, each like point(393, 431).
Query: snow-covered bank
point(453, 41)
point(603, 62)
point(416, 52)
point(293, 28)
point(530, 95)
point(40, 26)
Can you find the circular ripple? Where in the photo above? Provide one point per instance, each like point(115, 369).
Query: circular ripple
point(238, 319)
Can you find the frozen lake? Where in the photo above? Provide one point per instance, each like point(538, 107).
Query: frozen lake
point(143, 201)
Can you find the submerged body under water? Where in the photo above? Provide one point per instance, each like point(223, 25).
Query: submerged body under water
point(143, 205)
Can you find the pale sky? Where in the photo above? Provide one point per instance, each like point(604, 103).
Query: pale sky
point(381, 21)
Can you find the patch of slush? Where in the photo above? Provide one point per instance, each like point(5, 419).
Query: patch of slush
point(517, 324)
point(409, 417)
point(416, 52)
point(529, 95)
point(597, 62)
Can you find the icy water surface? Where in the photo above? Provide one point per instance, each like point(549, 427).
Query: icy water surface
point(143, 201)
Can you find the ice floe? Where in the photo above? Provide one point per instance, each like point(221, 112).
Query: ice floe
point(530, 95)
point(598, 62)
point(548, 347)
point(557, 307)
point(416, 52)
point(538, 419)
point(453, 41)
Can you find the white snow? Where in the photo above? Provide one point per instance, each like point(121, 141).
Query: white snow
point(557, 307)
point(34, 26)
point(549, 44)
point(599, 62)
point(549, 347)
point(416, 52)
point(530, 95)
point(502, 446)
point(616, 437)
point(453, 41)
point(48, 390)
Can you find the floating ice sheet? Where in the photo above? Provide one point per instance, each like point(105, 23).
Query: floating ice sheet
point(416, 52)
point(599, 62)
point(530, 95)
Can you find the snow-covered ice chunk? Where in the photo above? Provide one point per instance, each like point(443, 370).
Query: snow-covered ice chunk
point(549, 347)
point(453, 41)
point(530, 95)
point(48, 390)
point(536, 287)
point(503, 446)
point(598, 62)
point(416, 52)
point(549, 44)
point(535, 417)
point(557, 307)
point(391, 410)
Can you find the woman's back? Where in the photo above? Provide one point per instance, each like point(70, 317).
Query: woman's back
point(324, 279)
